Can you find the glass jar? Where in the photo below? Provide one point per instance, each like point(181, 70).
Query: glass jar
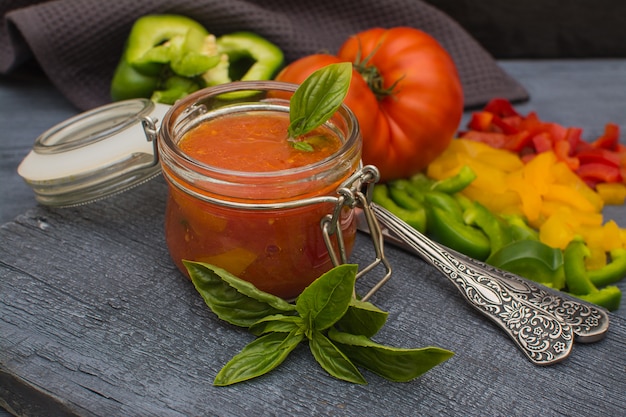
point(266, 227)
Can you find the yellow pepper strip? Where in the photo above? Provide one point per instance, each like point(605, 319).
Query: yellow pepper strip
point(556, 232)
point(612, 193)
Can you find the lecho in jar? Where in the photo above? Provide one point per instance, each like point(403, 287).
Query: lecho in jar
point(241, 197)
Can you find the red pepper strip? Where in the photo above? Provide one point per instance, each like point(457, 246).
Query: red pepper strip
point(502, 107)
point(480, 121)
point(504, 126)
point(599, 155)
point(562, 150)
point(542, 142)
point(518, 141)
point(573, 136)
point(493, 139)
point(599, 172)
point(610, 138)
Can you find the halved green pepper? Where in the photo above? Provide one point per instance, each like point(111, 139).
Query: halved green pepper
point(249, 57)
point(169, 56)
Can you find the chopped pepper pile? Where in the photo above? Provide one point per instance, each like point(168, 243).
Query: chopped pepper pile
point(602, 161)
point(170, 56)
point(454, 211)
point(535, 218)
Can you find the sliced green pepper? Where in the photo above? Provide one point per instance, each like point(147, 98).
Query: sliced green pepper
point(608, 297)
point(519, 229)
point(577, 278)
point(532, 259)
point(578, 282)
point(445, 225)
point(405, 196)
point(612, 272)
point(457, 182)
point(413, 217)
point(496, 230)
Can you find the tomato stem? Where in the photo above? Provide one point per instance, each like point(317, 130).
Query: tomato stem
point(372, 75)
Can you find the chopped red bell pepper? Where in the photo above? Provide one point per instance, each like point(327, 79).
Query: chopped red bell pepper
point(610, 138)
point(500, 126)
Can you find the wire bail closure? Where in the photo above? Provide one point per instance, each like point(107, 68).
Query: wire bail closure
point(355, 194)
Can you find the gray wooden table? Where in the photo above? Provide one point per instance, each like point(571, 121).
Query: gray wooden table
point(96, 320)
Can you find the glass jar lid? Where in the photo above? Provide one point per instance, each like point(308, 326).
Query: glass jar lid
point(95, 154)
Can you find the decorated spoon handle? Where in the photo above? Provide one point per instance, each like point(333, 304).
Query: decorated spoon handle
point(589, 323)
point(543, 337)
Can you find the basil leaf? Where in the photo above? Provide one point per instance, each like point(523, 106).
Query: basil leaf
point(258, 357)
point(326, 300)
point(233, 299)
point(395, 364)
point(318, 97)
point(333, 360)
point(277, 323)
point(362, 318)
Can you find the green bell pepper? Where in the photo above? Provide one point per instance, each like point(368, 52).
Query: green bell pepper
point(167, 57)
point(249, 57)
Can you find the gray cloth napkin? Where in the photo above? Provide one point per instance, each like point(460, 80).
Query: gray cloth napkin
point(78, 43)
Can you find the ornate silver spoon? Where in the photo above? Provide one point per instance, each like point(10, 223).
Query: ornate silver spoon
point(544, 337)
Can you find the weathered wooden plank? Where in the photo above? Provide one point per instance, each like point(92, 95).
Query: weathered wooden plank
point(94, 313)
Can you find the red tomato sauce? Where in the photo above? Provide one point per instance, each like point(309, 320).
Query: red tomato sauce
point(255, 142)
point(280, 251)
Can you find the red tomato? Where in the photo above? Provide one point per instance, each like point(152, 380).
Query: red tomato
point(408, 99)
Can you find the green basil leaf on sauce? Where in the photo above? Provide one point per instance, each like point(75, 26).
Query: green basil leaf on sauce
point(326, 300)
point(233, 299)
point(332, 360)
point(258, 357)
point(318, 97)
point(395, 364)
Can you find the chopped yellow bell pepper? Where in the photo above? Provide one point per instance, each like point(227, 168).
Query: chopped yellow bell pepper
point(612, 193)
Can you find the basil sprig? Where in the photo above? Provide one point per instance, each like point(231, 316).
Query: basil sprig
point(337, 326)
point(316, 100)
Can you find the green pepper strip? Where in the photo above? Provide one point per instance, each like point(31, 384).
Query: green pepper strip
point(445, 225)
point(578, 281)
point(612, 272)
point(496, 230)
point(416, 218)
point(520, 230)
point(404, 194)
point(532, 259)
point(457, 182)
point(608, 297)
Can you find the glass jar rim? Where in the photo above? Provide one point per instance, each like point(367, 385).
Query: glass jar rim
point(188, 104)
